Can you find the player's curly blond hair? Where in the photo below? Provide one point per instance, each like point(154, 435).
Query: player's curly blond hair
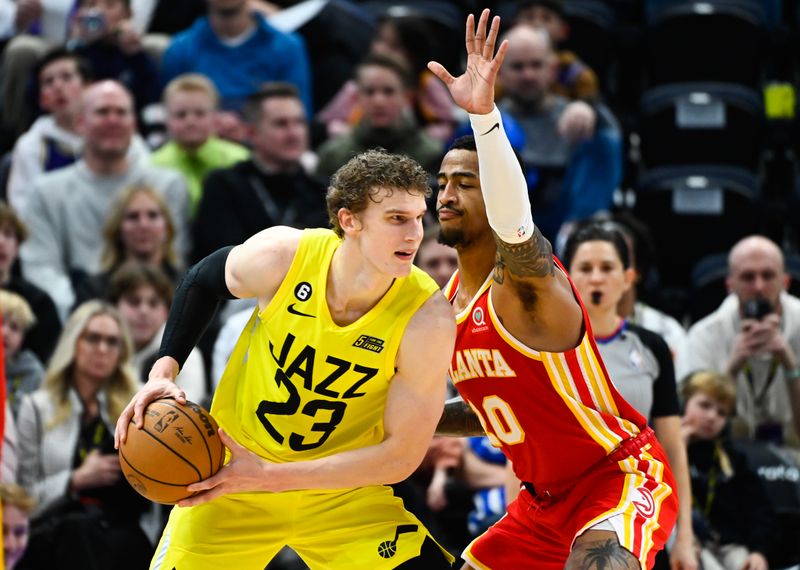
point(363, 176)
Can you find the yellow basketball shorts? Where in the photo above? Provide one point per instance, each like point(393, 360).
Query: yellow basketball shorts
point(365, 528)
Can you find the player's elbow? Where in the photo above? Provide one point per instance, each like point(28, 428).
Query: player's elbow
point(403, 461)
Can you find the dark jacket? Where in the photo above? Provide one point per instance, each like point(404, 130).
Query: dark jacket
point(407, 138)
point(739, 511)
point(242, 200)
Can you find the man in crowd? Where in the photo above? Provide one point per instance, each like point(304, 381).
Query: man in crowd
point(272, 188)
point(572, 152)
point(238, 50)
point(67, 208)
point(754, 336)
point(384, 94)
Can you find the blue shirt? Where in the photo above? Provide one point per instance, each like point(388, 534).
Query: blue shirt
point(238, 71)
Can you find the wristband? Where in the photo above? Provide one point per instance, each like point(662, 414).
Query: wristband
point(792, 375)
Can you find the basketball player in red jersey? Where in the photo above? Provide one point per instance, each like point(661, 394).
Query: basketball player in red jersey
point(598, 492)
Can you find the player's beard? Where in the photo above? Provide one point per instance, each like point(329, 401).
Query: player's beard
point(455, 238)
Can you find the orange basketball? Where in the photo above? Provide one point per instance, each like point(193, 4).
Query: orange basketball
point(178, 445)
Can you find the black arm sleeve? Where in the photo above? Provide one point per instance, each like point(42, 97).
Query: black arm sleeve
point(665, 390)
point(197, 298)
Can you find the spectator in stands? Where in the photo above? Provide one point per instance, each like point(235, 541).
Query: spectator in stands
point(24, 371)
point(191, 102)
point(53, 140)
point(636, 359)
point(103, 33)
point(33, 27)
point(484, 471)
point(572, 153)
point(734, 522)
point(87, 514)
point(410, 39)
point(68, 207)
point(272, 187)
point(139, 228)
point(143, 295)
point(41, 337)
point(17, 508)
point(239, 51)
point(754, 336)
point(574, 79)
point(384, 94)
point(436, 259)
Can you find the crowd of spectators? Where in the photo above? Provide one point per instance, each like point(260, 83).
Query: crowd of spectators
point(141, 135)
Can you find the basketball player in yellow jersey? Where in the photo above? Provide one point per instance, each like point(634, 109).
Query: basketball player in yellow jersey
point(333, 390)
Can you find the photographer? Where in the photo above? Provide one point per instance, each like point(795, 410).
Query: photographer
point(754, 336)
point(102, 32)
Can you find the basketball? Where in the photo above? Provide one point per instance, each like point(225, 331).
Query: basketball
point(177, 445)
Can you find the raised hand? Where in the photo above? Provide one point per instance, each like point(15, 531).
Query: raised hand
point(473, 91)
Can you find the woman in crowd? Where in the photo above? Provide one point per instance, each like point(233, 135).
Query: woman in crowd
point(87, 513)
point(638, 360)
point(139, 227)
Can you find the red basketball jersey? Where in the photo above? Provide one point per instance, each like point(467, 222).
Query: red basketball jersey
point(553, 414)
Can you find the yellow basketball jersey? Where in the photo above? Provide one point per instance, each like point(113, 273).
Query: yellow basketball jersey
point(298, 386)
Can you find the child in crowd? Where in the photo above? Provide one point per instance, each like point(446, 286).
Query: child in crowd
point(191, 102)
point(733, 521)
point(17, 507)
point(53, 140)
point(24, 371)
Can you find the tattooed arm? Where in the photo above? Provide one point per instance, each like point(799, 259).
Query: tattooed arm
point(458, 420)
point(531, 258)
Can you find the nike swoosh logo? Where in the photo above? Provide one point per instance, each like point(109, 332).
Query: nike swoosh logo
point(294, 311)
point(495, 126)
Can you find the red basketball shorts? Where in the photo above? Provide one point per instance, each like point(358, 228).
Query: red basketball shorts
point(632, 493)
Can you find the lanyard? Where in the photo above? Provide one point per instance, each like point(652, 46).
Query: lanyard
point(711, 488)
point(759, 398)
point(720, 464)
point(13, 389)
point(97, 439)
point(285, 218)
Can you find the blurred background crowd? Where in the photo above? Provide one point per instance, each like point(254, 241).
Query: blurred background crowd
point(659, 140)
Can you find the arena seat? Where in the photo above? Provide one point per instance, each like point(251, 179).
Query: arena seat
point(706, 40)
point(693, 211)
point(695, 123)
point(591, 36)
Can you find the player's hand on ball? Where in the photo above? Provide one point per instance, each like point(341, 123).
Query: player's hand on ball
point(245, 472)
point(161, 384)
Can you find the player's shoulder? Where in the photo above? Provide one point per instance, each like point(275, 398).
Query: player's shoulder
point(435, 313)
point(257, 265)
point(277, 238)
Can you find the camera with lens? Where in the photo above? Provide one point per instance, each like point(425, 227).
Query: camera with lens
point(757, 308)
point(92, 22)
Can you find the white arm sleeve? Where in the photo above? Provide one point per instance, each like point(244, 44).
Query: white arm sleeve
point(505, 191)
